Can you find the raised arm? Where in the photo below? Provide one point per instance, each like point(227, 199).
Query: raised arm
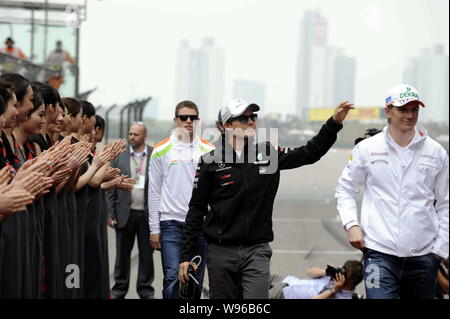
point(319, 145)
point(315, 272)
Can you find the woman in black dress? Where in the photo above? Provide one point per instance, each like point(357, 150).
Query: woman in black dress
point(14, 237)
point(73, 124)
point(2, 165)
point(96, 254)
point(27, 151)
point(82, 188)
point(54, 275)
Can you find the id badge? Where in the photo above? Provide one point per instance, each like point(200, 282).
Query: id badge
point(140, 182)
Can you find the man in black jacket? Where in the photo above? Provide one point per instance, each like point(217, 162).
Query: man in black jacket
point(239, 182)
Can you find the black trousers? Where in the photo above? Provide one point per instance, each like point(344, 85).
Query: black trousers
point(137, 226)
point(238, 272)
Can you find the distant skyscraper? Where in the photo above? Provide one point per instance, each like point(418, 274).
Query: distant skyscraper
point(340, 79)
point(251, 91)
point(311, 58)
point(428, 73)
point(325, 76)
point(200, 77)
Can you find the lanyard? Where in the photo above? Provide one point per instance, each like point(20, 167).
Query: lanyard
point(138, 169)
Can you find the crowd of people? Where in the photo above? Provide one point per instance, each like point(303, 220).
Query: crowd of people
point(206, 207)
point(52, 203)
point(54, 64)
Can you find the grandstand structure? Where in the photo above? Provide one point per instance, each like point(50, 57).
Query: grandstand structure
point(35, 27)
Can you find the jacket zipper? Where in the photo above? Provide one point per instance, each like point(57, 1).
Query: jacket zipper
point(246, 204)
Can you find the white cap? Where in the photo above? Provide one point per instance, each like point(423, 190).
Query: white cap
point(234, 108)
point(401, 95)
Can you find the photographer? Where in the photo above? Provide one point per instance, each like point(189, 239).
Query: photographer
point(332, 283)
point(369, 133)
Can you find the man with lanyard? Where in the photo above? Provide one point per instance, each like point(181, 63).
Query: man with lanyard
point(128, 215)
point(404, 213)
point(172, 173)
point(235, 189)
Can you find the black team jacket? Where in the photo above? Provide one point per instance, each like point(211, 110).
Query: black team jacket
point(240, 193)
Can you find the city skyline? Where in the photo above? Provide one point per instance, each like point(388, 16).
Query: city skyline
point(428, 73)
point(325, 74)
point(199, 76)
point(260, 41)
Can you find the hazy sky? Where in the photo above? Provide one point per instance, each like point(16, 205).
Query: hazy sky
point(128, 47)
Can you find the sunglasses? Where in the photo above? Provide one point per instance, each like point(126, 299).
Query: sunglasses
point(184, 118)
point(244, 118)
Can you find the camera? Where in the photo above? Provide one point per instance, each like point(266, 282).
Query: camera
point(191, 289)
point(332, 271)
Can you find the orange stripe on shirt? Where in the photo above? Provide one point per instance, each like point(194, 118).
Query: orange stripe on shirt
point(206, 142)
point(161, 143)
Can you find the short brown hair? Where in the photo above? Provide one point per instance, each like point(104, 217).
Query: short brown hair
point(390, 107)
point(188, 104)
point(355, 268)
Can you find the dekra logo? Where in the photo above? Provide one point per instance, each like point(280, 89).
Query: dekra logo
point(408, 93)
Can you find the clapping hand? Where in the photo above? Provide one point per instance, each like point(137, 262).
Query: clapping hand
point(13, 200)
point(120, 182)
point(5, 175)
point(111, 174)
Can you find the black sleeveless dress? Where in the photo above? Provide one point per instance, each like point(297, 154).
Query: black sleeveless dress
point(81, 198)
point(54, 275)
point(13, 240)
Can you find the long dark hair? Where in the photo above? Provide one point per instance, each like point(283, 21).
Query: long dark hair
point(2, 105)
point(19, 84)
point(6, 91)
point(73, 106)
point(48, 94)
point(5, 95)
point(37, 101)
point(99, 122)
point(88, 108)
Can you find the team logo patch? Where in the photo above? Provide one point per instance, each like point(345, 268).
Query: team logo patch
point(227, 183)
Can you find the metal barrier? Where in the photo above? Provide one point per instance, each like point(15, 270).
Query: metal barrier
point(31, 71)
point(129, 113)
point(107, 121)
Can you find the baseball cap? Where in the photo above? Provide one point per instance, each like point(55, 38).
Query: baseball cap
point(234, 108)
point(401, 95)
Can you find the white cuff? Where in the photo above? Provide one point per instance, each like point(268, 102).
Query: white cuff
point(350, 225)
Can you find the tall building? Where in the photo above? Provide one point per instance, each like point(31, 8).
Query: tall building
point(200, 73)
point(343, 76)
point(325, 75)
point(310, 64)
point(428, 73)
point(251, 91)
